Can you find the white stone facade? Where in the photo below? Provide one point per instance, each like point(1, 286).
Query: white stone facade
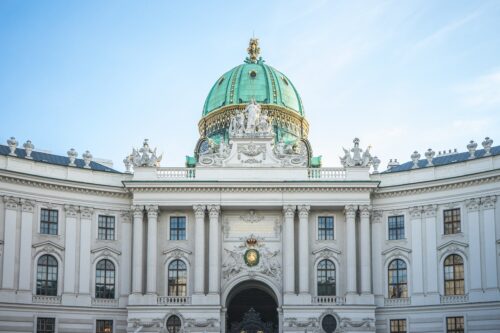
point(231, 208)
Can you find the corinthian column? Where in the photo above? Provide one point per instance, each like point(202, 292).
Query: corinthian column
point(350, 216)
point(199, 249)
point(213, 251)
point(137, 250)
point(365, 256)
point(288, 250)
point(152, 248)
point(304, 248)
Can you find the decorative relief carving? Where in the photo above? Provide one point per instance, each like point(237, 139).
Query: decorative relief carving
point(350, 211)
point(473, 204)
point(377, 216)
point(210, 322)
point(309, 322)
point(199, 211)
point(177, 253)
point(416, 212)
point(365, 211)
point(488, 202)
point(86, 212)
point(11, 202)
point(152, 211)
point(137, 211)
point(71, 211)
point(125, 216)
point(213, 212)
point(304, 211)
point(430, 210)
point(252, 217)
point(367, 324)
point(358, 157)
point(27, 205)
point(326, 252)
point(289, 211)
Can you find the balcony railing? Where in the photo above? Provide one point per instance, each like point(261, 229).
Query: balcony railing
point(108, 302)
point(330, 300)
point(42, 299)
point(454, 299)
point(176, 173)
point(397, 301)
point(326, 173)
point(177, 300)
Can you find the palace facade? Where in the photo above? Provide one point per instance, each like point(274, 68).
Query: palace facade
point(254, 234)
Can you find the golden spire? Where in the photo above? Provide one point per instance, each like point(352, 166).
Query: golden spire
point(253, 50)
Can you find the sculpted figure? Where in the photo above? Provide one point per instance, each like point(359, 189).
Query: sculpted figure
point(253, 111)
point(367, 157)
point(263, 126)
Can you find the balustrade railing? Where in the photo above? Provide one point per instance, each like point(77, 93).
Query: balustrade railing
point(42, 299)
point(326, 173)
point(336, 300)
point(453, 299)
point(111, 302)
point(176, 173)
point(167, 300)
point(397, 301)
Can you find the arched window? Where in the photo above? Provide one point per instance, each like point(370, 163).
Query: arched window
point(329, 324)
point(397, 278)
point(173, 324)
point(326, 278)
point(46, 276)
point(105, 279)
point(454, 275)
point(177, 278)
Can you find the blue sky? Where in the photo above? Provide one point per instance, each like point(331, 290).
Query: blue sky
point(104, 75)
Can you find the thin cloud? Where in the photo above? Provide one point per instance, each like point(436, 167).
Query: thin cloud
point(482, 92)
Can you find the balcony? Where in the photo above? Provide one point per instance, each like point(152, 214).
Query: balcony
point(454, 299)
point(42, 299)
point(329, 300)
point(173, 300)
point(106, 302)
point(397, 301)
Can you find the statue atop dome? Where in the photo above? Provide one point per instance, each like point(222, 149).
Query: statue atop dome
point(253, 121)
point(253, 50)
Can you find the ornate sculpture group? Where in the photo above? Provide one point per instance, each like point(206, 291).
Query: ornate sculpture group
point(250, 122)
point(142, 157)
point(358, 157)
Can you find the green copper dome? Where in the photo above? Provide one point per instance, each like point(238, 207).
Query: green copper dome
point(253, 80)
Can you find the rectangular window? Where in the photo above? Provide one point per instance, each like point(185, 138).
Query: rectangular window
point(398, 325)
point(451, 218)
point(455, 325)
point(396, 227)
point(177, 228)
point(104, 326)
point(106, 227)
point(45, 325)
point(325, 228)
point(48, 221)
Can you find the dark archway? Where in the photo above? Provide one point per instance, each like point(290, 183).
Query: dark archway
point(252, 307)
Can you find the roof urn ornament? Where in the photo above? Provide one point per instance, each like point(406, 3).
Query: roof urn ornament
point(471, 147)
point(128, 163)
point(358, 157)
point(376, 162)
point(12, 143)
point(87, 158)
point(429, 155)
point(72, 155)
point(28, 148)
point(253, 50)
point(415, 157)
point(487, 143)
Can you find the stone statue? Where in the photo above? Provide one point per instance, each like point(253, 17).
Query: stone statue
point(253, 112)
point(253, 50)
point(263, 124)
point(356, 159)
point(144, 157)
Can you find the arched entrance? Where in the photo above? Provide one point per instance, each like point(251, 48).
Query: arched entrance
point(252, 307)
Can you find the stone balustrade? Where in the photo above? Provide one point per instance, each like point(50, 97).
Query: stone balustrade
point(173, 300)
point(326, 173)
point(330, 300)
point(108, 302)
point(176, 173)
point(42, 299)
point(454, 299)
point(397, 301)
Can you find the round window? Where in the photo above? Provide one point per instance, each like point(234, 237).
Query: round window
point(329, 324)
point(173, 324)
point(253, 74)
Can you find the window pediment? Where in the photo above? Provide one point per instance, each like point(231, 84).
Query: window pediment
point(176, 252)
point(453, 244)
point(49, 246)
point(396, 250)
point(326, 252)
point(105, 250)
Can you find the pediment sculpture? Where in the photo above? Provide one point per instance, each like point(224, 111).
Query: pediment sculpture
point(358, 158)
point(142, 157)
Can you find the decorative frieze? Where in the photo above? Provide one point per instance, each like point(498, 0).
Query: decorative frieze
point(416, 212)
point(71, 211)
point(27, 205)
point(473, 204)
point(125, 216)
point(252, 217)
point(11, 202)
point(430, 210)
point(86, 212)
point(488, 202)
point(377, 216)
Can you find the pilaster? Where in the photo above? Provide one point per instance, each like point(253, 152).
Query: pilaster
point(489, 242)
point(304, 248)
point(152, 255)
point(377, 239)
point(126, 263)
point(474, 231)
point(431, 280)
point(25, 248)
point(365, 250)
point(86, 215)
point(213, 251)
point(138, 212)
point(199, 249)
point(9, 245)
point(70, 249)
point(288, 250)
point(350, 216)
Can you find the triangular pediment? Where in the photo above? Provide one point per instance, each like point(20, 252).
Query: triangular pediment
point(176, 250)
point(48, 243)
point(452, 243)
point(396, 248)
point(106, 249)
point(326, 249)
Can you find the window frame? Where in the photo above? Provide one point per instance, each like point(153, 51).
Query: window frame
point(41, 222)
point(406, 291)
point(105, 284)
point(177, 285)
point(106, 228)
point(399, 328)
point(455, 330)
point(104, 320)
point(317, 271)
point(319, 229)
point(398, 227)
point(454, 280)
point(169, 223)
point(176, 330)
point(454, 229)
point(57, 274)
point(45, 317)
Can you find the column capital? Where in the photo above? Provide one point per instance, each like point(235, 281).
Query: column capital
point(137, 211)
point(473, 204)
point(350, 211)
point(70, 210)
point(86, 212)
point(416, 212)
point(377, 216)
point(11, 202)
point(430, 210)
point(27, 205)
point(199, 211)
point(213, 211)
point(125, 216)
point(489, 202)
point(289, 211)
point(365, 210)
point(304, 211)
point(152, 211)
